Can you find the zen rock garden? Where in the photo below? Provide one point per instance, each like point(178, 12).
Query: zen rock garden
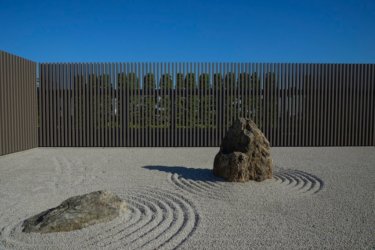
point(244, 154)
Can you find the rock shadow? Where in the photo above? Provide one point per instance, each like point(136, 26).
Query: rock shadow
point(194, 174)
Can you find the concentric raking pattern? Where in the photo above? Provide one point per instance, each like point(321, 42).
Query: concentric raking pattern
point(155, 219)
point(298, 180)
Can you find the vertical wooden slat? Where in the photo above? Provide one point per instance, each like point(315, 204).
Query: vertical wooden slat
point(319, 106)
point(322, 110)
point(173, 106)
point(340, 110)
point(222, 89)
point(299, 104)
point(58, 101)
point(291, 126)
point(273, 103)
point(116, 103)
point(83, 105)
point(107, 106)
point(13, 105)
point(316, 105)
point(6, 104)
point(2, 110)
point(270, 101)
point(95, 88)
point(347, 105)
point(89, 104)
point(359, 118)
point(130, 135)
point(120, 101)
point(372, 118)
point(102, 103)
point(16, 126)
point(227, 96)
point(110, 106)
point(48, 105)
point(74, 104)
point(327, 106)
point(306, 101)
point(218, 102)
point(12, 117)
point(112, 125)
point(26, 104)
point(198, 124)
point(212, 106)
point(231, 87)
point(58, 131)
point(167, 105)
point(335, 125)
point(331, 97)
point(39, 112)
point(280, 105)
point(312, 105)
point(22, 100)
point(291, 105)
point(355, 110)
point(43, 117)
point(295, 105)
point(184, 106)
point(70, 75)
point(65, 104)
point(285, 109)
point(53, 105)
point(344, 109)
point(352, 100)
point(367, 104)
point(140, 103)
point(78, 130)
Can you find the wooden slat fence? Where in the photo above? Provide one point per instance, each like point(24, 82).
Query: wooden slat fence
point(193, 104)
point(18, 104)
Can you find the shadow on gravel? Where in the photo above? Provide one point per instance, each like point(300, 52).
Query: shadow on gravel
point(195, 174)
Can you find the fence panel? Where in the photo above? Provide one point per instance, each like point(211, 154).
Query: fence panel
point(193, 104)
point(18, 104)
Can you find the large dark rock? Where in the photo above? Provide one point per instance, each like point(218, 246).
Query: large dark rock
point(244, 154)
point(77, 212)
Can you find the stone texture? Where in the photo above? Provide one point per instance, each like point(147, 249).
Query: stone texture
point(77, 212)
point(244, 154)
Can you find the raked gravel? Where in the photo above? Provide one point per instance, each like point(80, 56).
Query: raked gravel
point(320, 197)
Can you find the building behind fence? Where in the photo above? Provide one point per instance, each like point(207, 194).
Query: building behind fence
point(182, 104)
point(193, 104)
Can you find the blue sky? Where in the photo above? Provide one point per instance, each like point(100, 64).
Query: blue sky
point(200, 31)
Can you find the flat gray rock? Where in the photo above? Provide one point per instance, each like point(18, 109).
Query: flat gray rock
point(77, 212)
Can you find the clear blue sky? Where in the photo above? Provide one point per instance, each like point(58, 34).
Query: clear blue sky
point(197, 30)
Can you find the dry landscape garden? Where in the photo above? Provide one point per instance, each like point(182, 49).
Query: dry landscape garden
point(153, 156)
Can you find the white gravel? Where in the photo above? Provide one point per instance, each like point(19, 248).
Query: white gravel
point(319, 198)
